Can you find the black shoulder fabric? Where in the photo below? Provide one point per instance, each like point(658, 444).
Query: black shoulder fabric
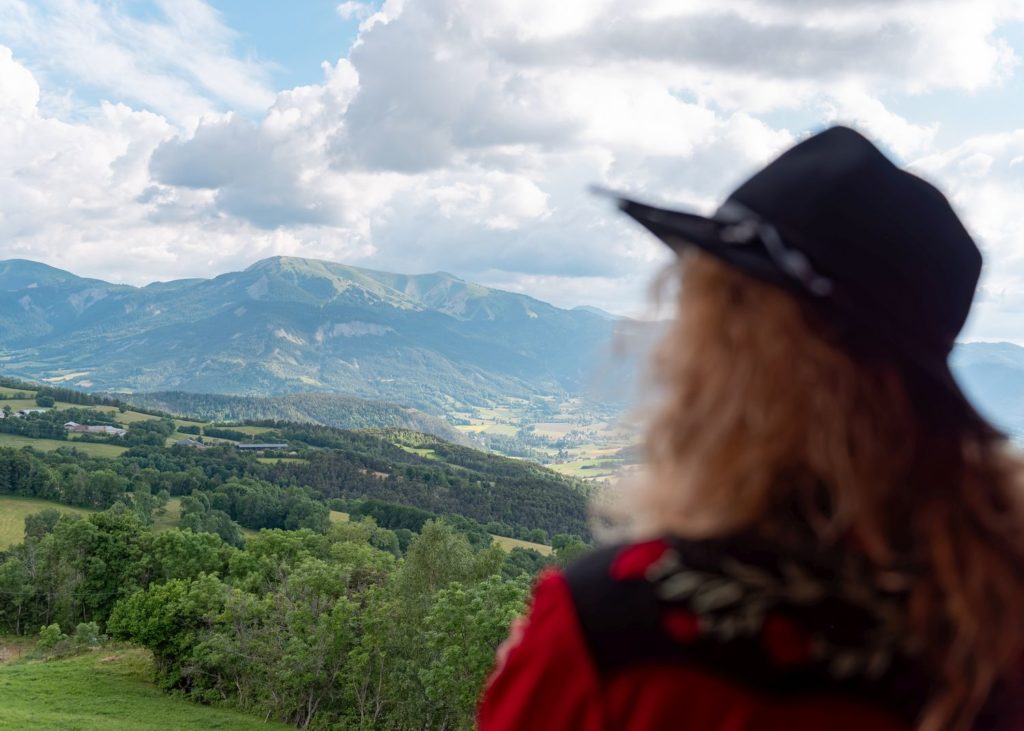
point(737, 592)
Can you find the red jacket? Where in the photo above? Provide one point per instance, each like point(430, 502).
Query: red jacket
point(706, 636)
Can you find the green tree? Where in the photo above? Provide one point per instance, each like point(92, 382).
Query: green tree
point(40, 524)
point(170, 619)
point(462, 632)
point(16, 592)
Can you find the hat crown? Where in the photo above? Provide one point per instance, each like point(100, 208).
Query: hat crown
point(890, 240)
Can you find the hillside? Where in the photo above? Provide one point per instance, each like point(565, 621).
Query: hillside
point(288, 325)
point(421, 471)
point(326, 409)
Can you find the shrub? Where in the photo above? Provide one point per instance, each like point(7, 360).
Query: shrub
point(50, 636)
point(87, 634)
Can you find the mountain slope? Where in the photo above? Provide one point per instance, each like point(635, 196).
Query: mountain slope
point(288, 325)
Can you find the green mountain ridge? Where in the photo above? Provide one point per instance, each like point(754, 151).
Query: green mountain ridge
point(289, 325)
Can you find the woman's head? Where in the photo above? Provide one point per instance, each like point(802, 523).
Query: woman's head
point(773, 420)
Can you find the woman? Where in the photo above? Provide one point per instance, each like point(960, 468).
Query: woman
point(830, 537)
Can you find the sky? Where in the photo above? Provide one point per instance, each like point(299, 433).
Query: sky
point(145, 140)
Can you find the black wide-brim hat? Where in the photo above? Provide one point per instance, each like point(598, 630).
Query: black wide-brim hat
point(872, 247)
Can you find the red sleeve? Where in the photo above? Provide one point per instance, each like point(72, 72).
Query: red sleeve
point(547, 680)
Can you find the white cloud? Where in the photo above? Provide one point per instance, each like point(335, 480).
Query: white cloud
point(352, 9)
point(180, 63)
point(461, 136)
point(19, 92)
point(985, 182)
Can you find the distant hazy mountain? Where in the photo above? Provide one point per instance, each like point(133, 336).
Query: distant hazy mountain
point(992, 374)
point(327, 409)
point(288, 325)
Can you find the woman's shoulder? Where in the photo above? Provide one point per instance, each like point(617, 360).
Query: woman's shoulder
point(784, 622)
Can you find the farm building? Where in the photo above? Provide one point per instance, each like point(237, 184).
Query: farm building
point(77, 428)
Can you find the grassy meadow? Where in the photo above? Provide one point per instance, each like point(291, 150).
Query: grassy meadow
point(12, 516)
point(108, 689)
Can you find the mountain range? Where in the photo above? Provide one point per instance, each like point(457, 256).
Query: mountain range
point(294, 326)
point(992, 375)
point(288, 325)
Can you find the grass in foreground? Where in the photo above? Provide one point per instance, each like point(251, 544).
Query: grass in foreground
point(12, 516)
point(105, 690)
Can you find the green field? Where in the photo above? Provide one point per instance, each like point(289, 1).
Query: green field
point(19, 403)
point(502, 429)
point(12, 516)
point(104, 690)
point(509, 543)
point(128, 417)
point(188, 422)
point(588, 468)
point(251, 430)
point(5, 391)
point(170, 517)
point(421, 451)
point(45, 445)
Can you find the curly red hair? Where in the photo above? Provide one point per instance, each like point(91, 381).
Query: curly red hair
point(766, 419)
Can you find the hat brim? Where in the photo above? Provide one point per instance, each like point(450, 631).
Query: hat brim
point(679, 230)
point(933, 386)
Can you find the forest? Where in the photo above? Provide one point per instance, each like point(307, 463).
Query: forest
point(390, 465)
point(338, 628)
